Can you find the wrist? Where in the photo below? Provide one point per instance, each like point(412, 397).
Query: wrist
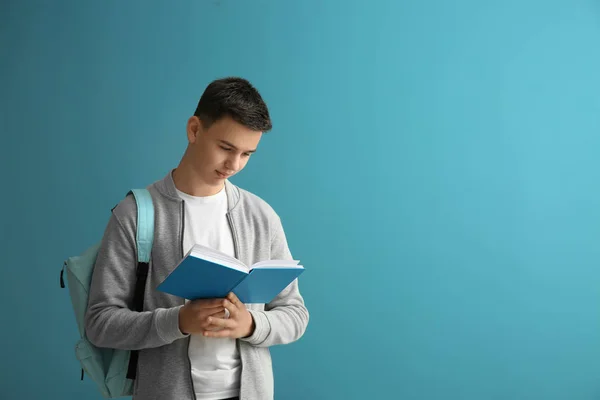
point(180, 322)
point(252, 326)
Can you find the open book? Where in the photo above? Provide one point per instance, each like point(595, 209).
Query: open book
point(208, 273)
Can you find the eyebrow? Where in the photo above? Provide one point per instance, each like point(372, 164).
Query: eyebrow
point(231, 145)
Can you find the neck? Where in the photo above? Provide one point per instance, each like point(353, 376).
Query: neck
point(188, 181)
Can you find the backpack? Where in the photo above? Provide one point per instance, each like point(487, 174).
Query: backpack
point(112, 370)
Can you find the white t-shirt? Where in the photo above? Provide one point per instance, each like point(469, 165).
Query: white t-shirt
point(216, 365)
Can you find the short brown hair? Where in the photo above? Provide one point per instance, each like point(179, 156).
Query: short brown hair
point(237, 98)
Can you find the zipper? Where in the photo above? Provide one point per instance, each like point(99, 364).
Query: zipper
point(234, 234)
point(182, 227)
point(236, 255)
point(187, 354)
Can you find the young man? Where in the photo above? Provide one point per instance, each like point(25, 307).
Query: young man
point(211, 348)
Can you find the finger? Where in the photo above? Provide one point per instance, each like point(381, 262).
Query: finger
point(218, 314)
point(218, 334)
point(233, 310)
point(221, 323)
point(202, 313)
point(208, 303)
point(205, 319)
point(211, 328)
point(234, 299)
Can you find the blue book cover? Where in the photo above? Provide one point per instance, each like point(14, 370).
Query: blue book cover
point(207, 273)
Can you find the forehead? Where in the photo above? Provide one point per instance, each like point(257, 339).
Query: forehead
point(235, 134)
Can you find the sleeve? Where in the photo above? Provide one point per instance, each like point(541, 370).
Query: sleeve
point(109, 321)
point(286, 317)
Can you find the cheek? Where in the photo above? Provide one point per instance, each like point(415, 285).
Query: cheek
point(206, 160)
point(243, 162)
point(219, 159)
point(213, 158)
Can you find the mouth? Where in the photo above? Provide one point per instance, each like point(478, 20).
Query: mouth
point(222, 175)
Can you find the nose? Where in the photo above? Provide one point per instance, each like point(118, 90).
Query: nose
point(233, 163)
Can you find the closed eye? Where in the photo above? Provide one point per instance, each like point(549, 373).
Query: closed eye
point(226, 146)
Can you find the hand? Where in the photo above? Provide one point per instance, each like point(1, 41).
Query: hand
point(193, 316)
point(239, 324)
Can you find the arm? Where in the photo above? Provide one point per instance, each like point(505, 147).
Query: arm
point(286, 317)
point(109, 321)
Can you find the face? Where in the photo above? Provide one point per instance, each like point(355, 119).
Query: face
point(220, 151)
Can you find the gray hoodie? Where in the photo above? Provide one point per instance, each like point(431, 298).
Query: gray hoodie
point(164, 370)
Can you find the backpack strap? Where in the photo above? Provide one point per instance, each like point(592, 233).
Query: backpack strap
point(145, 224)
point(144, 240)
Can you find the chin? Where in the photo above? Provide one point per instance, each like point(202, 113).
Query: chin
point(216, 180)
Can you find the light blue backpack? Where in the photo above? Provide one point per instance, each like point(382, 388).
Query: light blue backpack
point(112, 370)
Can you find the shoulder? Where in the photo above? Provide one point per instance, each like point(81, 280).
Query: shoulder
point(125, 211)
point(264, 221)
point(127, 208)
point(256, 205)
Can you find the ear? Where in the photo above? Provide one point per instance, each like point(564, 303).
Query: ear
point(194, 128)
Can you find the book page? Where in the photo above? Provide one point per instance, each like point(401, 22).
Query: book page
point(277, 264)
point(218, 257)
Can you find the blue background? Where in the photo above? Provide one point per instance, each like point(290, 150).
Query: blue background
point(435, 164)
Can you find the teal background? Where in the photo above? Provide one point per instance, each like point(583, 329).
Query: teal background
point(435, 164)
